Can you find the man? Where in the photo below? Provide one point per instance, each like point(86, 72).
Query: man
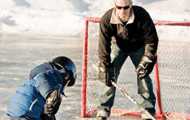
point(126, 30)
point(39, 97)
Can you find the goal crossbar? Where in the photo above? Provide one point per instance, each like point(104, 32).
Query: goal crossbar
point(84, 112)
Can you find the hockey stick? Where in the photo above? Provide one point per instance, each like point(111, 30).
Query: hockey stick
point(125, 93)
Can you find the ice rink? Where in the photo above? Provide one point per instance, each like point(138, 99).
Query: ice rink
point(20, 53)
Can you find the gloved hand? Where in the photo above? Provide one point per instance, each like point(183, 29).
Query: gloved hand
point(106, 74)
point(53, 102)
point(145, 67)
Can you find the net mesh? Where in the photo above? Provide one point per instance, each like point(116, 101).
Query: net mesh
point(174, 56)
point(174, 69)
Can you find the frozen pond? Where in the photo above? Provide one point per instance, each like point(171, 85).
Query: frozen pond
point(19, 54)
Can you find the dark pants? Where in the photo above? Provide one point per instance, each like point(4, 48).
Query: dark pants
point(118, 58)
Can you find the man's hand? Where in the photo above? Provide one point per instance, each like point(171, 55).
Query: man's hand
point(106, 74)
point(53, 102)
point(145, 67)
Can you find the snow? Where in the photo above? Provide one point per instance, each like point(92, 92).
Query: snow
point(66, 16)
point(46, 17)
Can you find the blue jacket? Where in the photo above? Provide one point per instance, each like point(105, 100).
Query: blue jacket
point(30, 97)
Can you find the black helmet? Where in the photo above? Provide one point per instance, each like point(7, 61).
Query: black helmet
point(62, 62)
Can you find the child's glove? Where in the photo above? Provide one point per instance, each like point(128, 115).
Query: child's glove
point(53, 102)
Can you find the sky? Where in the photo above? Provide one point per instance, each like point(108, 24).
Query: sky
point(66, 17)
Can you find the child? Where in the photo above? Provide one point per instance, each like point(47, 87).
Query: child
point(39, 97)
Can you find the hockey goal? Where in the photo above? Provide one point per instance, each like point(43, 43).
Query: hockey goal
point(171, 76)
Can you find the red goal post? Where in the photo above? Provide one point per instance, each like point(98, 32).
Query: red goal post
point(84, 112)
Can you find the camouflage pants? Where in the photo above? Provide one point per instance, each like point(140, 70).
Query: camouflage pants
point(118, 58)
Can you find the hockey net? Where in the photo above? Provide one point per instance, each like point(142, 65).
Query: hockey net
point(171, 75)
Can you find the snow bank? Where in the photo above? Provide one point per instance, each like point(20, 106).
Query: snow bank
point(66, 16)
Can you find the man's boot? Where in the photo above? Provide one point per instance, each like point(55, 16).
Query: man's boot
point(102, 114)
point(144, 116)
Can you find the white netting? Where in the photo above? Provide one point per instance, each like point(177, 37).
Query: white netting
point(173, 58)
point(174, 68)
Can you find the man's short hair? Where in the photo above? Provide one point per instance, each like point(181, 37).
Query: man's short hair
point(130, 1)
